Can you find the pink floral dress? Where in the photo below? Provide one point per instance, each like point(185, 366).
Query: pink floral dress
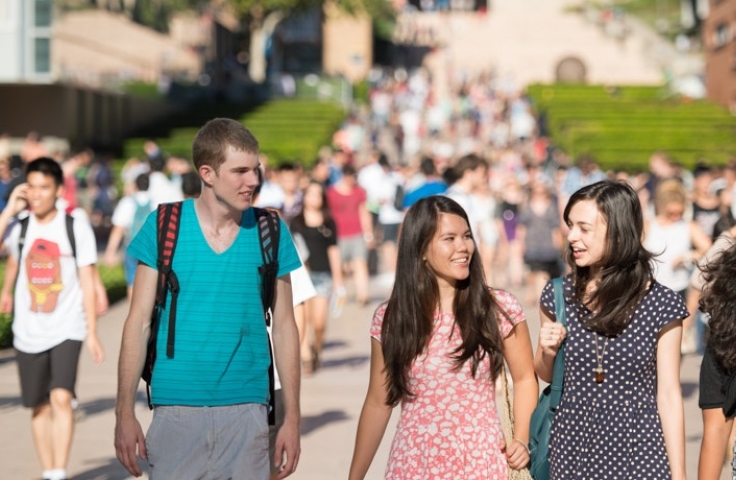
point(450, 428)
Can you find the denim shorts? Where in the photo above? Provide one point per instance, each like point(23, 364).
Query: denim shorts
point(322, 283)
point(129, 266)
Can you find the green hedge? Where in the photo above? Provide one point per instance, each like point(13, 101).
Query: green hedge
point(112, 277)
point(287, 130)
point(622, 126)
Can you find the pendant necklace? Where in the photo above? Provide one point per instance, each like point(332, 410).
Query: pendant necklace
point(598, 370)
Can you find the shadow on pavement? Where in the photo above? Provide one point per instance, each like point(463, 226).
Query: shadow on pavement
point(112, 470)
point(334, 344)
point(101, 405)
point(314, 422)
point(354, 362)
point(10, 402)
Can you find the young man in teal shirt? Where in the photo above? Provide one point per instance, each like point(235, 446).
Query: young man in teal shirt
point(210, 399)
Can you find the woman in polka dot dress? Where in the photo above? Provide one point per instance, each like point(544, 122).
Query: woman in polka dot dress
point(621, 413)
point(437, 347)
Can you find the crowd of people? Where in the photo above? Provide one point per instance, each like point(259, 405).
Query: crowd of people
point(451, 200)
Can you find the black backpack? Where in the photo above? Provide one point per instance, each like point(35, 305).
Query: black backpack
point(168, 216)
point(69, 232)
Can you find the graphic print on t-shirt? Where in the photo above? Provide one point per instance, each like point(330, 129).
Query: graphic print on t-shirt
point(43, 269)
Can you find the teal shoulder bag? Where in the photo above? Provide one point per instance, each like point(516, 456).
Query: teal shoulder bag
point(544, 415)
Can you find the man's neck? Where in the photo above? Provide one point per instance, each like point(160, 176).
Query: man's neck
point(46, 217)
point(215, 215)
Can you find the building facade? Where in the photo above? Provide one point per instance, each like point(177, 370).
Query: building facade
point(719, 39)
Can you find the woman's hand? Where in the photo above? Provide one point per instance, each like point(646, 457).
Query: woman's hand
point(517, 453)
point(551, 336)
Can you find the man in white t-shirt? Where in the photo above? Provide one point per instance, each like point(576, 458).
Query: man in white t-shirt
point(54, 308)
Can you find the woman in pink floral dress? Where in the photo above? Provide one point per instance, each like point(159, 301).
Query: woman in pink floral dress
point(437, 347)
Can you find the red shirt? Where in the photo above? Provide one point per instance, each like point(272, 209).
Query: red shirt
point(344, 210)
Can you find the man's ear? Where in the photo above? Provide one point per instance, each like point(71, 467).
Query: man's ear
point(207, 174)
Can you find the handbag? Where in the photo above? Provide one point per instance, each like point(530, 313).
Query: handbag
point(507, 421)
point(544, 414)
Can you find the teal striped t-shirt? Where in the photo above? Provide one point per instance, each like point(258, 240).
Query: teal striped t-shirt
point(221, 352)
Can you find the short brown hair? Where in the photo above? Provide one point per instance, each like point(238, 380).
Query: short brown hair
point(213, 139)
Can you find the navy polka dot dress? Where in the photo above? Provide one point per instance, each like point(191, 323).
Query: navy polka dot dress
point(611, 430)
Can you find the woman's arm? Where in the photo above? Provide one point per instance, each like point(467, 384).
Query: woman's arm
point(716, 432)
point(669, 396)
point(373, 418)
point(517, 349)
point(551, 336)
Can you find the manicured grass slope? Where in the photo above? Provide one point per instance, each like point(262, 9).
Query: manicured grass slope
point(621, 127)
point(287, 130)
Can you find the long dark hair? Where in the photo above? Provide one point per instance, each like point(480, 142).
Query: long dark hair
point(408, 320)
point(626, 266)
point(298, 223)
point(718, 297)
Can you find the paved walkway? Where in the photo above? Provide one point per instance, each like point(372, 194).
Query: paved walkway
point(331, 402)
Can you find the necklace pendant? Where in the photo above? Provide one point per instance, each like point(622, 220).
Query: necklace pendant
point(599, 374)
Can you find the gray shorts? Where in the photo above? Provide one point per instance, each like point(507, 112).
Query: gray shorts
point(208, 443)
point(352, 248)
point(42, 372)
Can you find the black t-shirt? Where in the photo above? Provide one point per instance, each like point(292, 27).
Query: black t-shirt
point(318, 240)
point(713, 382)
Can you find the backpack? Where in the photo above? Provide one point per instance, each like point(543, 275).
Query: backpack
point(168, 216)
point(69, 233)
point(139, 217)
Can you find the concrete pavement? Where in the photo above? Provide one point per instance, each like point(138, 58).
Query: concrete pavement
point(331, 403)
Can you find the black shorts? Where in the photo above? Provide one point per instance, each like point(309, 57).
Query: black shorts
point(42, 372)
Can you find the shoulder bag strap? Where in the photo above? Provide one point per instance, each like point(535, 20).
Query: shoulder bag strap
point(559, 370)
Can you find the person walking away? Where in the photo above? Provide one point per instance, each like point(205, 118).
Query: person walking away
point(622, 348)
point(54, 308)
point(437, 347)
point(540, 235)
point(315, 225)
point(127, 219)
point(346, 201)
point(210, 398)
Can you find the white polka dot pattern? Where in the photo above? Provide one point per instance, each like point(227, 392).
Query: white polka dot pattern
point(450, 428)
point(612, 430)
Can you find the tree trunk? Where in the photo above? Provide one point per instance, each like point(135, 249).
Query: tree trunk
point(260, 30)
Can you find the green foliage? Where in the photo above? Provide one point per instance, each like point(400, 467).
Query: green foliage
point(622, 126)
point(112, 277)
point(143, 89)
point(287, 130)
point(6, 333)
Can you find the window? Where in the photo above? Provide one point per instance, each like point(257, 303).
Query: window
point(42, 13)
point(42, 55)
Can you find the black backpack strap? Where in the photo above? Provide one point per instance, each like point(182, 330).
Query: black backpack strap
point(70, 234)
point(269, 233)
point(268, 230)
point(22, 238)
point(168, 217)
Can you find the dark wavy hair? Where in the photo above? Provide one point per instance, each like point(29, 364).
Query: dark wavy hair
point(410, 311)
point(626, 266)
point(298, 224)
point(718, 300)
